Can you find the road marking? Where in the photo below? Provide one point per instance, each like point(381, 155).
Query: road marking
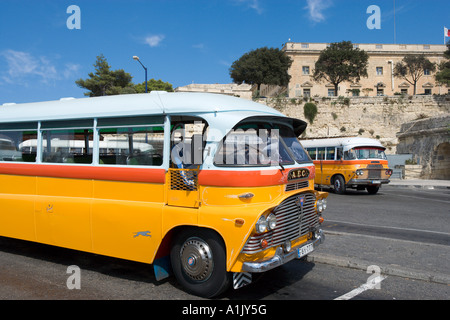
point(387, 227)
point(432, 200)
point(369, 285)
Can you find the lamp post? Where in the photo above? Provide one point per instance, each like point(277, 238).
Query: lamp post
point(137, 59)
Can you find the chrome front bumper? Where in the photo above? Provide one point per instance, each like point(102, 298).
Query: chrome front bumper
point(280, 256)
point(367, 182)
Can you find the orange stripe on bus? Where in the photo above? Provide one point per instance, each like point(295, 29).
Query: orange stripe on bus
point(85, 172)
point(258, 178)
point(350, 162)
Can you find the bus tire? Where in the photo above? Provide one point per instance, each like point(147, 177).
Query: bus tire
point(339, 185)
point(198, 260)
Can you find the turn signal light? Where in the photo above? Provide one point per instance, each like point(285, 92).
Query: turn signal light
point(321, 219)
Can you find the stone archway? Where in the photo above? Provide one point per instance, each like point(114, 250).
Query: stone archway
point(440, 162)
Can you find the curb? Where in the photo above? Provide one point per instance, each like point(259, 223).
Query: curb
point(387, 270)
point(417, 186)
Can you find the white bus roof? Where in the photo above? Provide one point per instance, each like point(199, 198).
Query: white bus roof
point(155, 103)
point(346, 143)
point(222, 112)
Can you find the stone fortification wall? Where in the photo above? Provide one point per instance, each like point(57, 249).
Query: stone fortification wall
point(373, 117)
point(428, 140)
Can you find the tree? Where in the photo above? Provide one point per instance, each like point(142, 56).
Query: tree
point(341, 62)
point(105, 81)
point(152, 85)
point(310, 111)
point(412, 68)
point(443, 76)
point(262, 66)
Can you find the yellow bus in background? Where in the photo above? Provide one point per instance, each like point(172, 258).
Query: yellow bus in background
point(212, 187)
point(358, 163)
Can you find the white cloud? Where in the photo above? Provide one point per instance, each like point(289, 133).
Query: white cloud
point(22, 67)
point(252, 4)
point(316, 8)
point(199, 46)
point(154, 40)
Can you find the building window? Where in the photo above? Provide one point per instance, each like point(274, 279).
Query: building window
point(305, 70)
point(305, 45)
point(426, 72)
point(355, 46)
point(426, 47)
point(404, 91)
point(307, 93)
point(427, 91)
point(379, 71)
point(403, 46)
point(331, 93)
point(379, 46)
point(380, 92)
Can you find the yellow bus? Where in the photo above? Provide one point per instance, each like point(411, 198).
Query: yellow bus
point(351, 162)
point(211, 188)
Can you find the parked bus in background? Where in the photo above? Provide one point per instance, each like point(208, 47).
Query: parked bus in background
point(212, 187)
point(358, 163)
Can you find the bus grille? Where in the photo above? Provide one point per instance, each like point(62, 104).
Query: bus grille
point(295, 217)
point(374, 171)
point(297, 185)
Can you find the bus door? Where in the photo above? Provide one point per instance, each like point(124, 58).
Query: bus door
point(186, 158)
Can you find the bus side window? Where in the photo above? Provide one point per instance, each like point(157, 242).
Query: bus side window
point(312, 153)
point(187, 145)
point(339, 153)
point(320, 153)
point(330, 153)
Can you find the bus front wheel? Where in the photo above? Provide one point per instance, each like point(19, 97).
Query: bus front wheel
point(339, 185)
point(198, 260)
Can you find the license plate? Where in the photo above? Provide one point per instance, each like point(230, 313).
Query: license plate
point(303, 251)
point(376, 181)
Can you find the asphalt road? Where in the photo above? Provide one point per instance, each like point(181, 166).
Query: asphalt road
point(405, 233)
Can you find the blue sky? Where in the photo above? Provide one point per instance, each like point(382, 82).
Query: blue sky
point(183, 41)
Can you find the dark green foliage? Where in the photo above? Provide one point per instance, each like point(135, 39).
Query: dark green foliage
point(310, 111)
point(262, 66)
point(341, 62)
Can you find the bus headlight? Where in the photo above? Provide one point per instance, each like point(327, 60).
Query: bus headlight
point(324, 204)
point(271, 221)
point(319, 206)
point(261, 225)
point(359, 172)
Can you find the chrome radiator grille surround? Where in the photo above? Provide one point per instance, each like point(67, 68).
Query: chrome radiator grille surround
point(295, 216)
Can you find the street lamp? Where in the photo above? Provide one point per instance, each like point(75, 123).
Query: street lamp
point(137, 59)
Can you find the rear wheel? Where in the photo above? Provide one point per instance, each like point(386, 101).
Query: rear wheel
point(339, 185)
point(199, 262)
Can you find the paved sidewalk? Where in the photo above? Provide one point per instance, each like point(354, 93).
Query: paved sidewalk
point(420, 183)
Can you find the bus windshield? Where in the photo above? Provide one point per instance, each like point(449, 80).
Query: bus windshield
point(364, 153)
point(260, 144)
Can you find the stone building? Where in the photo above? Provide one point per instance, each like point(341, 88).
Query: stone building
point(239, 90)
point(380, 80)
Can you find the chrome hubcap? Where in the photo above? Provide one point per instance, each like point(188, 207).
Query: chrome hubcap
point(196, 259)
